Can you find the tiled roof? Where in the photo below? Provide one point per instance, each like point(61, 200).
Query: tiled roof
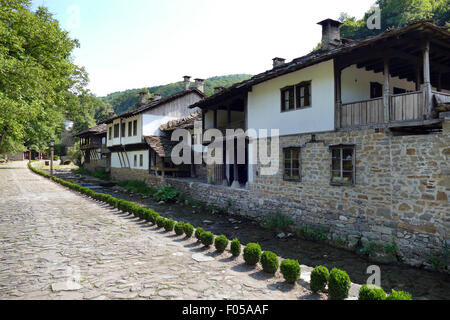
point(184, 123)
point(101, 128)
point(160, 144)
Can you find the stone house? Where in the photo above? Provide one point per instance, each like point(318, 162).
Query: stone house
point(139, 149)
point(363, 140)
point(96, 155)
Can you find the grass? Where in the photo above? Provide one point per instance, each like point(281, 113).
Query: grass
point(136, 186)
point(100, 174)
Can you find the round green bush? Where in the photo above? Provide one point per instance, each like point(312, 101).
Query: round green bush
point(319, 278)
point(399, 295)
point(179, 228)
point(269, 261)
point(221, 243)
point(198, 233)
point(140, 213)
point(153, 216)
point(338, 284)
point(252, 253)
point(235, 247)
point(290, 270)
point(160, 222)
point(371, 292)
point(207, 238)
point(188, 230)
point(169, 225)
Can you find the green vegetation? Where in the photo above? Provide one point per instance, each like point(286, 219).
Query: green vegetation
point(371, 292)
point(370, 249)
point(235, 247)
point(338, 284)
point(269, 262)
point(136, 186)
point(319, 278)
point(278, 221)
point(128, 100)
point(169, 224)
point(179, 228)
point(188, 229)
point(312, 234)
point(207, 238)
point(198, 233)
point(442, 261)
point(399, 295)
point(166, 194)
point(221, 243)
point(395, 14)
point(100, 173)
point(252, 253)
point(291, 270)
point(391, 248)
point(160, 222)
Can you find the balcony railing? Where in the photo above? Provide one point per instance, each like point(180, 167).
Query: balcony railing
point(362, 112)
point(407, 106)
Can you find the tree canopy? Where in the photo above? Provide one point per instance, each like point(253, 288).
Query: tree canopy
point(395, 14)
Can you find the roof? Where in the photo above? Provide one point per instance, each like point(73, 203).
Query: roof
point(100, 129)
point(184, 123)
point(160, 144)
point(317, 57)
point(154, 104)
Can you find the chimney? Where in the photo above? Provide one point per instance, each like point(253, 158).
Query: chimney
point(278, 62)
point(199, 84)
point(156, 97)
point(187, 82)
point(143, 97)
point(331, 35)
point(218, 89)
point(112, 114)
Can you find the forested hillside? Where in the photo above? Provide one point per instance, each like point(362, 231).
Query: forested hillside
point(127, 100)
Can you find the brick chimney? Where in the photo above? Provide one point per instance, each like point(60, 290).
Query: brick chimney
point(187, 82)
point(156, 97)
point(278, 62)
point(200, 84)
point(331, 35)
point(143, 97)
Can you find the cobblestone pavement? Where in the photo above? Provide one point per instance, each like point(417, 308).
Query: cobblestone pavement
point(58, 244)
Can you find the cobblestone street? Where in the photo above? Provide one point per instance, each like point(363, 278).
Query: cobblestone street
point(57, 244)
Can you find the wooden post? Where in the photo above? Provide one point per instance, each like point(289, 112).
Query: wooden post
point(386, 91)
point(203, 120)
point(215, 119)
point(162, 170)
point(418, 76)
point(51, 160)
point(439, 84)
point(337, 95)
point(427, 95)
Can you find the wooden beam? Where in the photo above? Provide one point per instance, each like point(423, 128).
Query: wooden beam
point(427, 81)
point(337, 95)
point(386, 91)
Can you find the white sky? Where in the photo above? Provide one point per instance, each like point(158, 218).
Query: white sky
point(142, 43)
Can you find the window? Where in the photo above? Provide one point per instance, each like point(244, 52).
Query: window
point(130, 129)
point(135, 128)
point(135, 160)
point(287, 99)
point(292, 164)
point(110, 133)
point(343, 164)
point(296, 97)
point(376, 90)
point(123, 130)
point(141, 160)
point(116, 130)
point(303, 94)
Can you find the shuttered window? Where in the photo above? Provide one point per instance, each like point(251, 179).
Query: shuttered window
point(296, 97)
point(303, 94)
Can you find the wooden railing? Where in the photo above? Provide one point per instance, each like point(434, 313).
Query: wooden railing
point(441, 97)
point(362, 112)
point(407, 106)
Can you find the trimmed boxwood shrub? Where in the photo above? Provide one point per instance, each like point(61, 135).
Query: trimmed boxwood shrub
point(207, 238)
point(252, 253)
point(399, 295)
point(269, 262)
point(140, 213)
point(188, 230)
point(338, 284)
point(290, 270)
point(235, 247)
point(371, 292)
point(198, 233)
point(179, 228)
point(319, 278)
point(221, 243)
point(169, 225)
point(160, 222)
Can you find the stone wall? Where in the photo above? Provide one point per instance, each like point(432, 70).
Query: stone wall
point(400, 194)
point(94, 165)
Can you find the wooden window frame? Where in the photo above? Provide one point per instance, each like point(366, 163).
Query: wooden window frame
point(130, 128)
point(110, 133)
point(298, 86)
point(291, 90)
point(341, 170)
point(134, 128)
point(285, 178)
point(141, 160)
point(122, 130)
point(294, 91)
point(116, 131)
point(135, 161)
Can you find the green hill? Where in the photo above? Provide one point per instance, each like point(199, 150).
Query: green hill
point(124, 101)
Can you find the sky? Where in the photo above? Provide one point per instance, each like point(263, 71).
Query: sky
point(127, 44)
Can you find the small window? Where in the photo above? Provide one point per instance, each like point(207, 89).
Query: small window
point(141, 160)
point(135, 160)
point(303, 94)
point(292, 170)
point(123, 130)
point(343, 165)
point(287, 99)
point(110, 133)
point(135, 128)
point(376, 90)
point(130, 128)
point(116, 130)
